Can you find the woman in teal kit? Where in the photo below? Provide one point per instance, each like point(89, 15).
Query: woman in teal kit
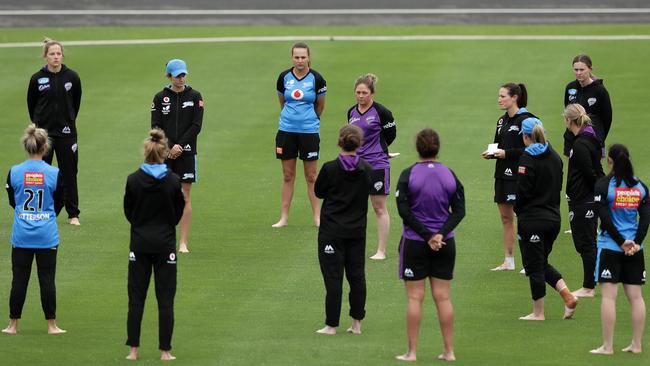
point(301, 92)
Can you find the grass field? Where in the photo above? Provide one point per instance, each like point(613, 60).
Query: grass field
point(252, 295)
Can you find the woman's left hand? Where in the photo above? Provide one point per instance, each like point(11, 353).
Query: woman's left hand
point(500, 154)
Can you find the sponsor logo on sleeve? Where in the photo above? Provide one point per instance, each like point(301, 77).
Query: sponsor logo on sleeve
point(67, 86)
point(591, 101)
point(34, 178)
point(42, 81)
point(627, 198)
point(389, 125)
point(321, 90)
point(521, 169)
point(153, 106)
point(201, 103)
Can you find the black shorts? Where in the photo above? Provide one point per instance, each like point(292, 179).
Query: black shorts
point(185, 167)
point(505, 191)
point(616, 267)
point(380, 182)
point(290, 145)
point(418, 261)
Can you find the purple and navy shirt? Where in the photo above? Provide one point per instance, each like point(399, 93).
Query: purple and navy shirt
point(430, 200)
point(379, 131)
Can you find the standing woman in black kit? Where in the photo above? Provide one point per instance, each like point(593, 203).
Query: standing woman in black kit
point(53, 101)
point(588, 91)
point(344, 185)
point(584, 171)
point(153, 204)
point(513, 99)
point(539, 185)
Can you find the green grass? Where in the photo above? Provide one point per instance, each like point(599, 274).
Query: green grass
point(250, 295)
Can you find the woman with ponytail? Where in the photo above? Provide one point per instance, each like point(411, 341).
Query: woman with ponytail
point(590, 92)
point(35, 191)
point(513, 99)
point(584, 171)
point(538, 217)
point(624, 211)
point(153, 204)
point(379, 131)
point(344, 185)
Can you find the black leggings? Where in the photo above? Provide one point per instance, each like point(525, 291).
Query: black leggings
point(67, 158)
point(337, 255)
point(164, 268)
point(536, 243)
point(21, 266)
point(584, 224)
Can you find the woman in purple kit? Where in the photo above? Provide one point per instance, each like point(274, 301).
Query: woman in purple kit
point(431, 202)
point(379, 131)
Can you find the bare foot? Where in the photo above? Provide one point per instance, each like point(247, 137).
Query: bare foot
point(355, 328)
point(10, 330)
point(584, 292)
point(532, 316)
point(601, 351)
point(570, 308)
point(281, 223)
point(166, 356)
point(408, 356)
point(75, 221)
point(632, 349)
point(182, 248)
point(379, 256)
point(327, 330)
point(447, 356)
point(133, 354)
point(55, 330)
point(504, 267)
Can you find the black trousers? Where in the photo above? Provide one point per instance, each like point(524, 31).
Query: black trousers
point(67, 158)
point(536, 243)
point(584, 225)
point(337, 256)
point(21, 266)
point(164, 268)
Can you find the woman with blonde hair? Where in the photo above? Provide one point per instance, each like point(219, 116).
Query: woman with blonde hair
point(584, 171)
point(153, 204)
point(53, 101)
point(35, 191)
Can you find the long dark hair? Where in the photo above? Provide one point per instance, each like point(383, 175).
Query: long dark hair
point(520, 91)
point(622, 169)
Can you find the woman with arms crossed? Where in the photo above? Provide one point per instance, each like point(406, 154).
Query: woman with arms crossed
point(301, 92)
point(35, 191)
point(431, 203)
point(513, 99)
point(344, 185)
point(539, 185)
point(379, 132)
point(153, 205)
point(624, 211)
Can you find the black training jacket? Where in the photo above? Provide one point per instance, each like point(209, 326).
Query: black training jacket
point(180, 115)
point(539, 184)
point(345, 199)
point(595, 99)
point(584, 168)
point(508, 137)
point(153, 207)
point(53, 101)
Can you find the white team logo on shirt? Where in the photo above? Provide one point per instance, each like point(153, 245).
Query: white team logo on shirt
point(172, 258)
point(131, 257)
point(297, 94)
point(408, 273)
point(591, 101)
point(508, 172)
point(513, 128)
point(597, 198)
point(328, 249)
point(590, 214)
point(66, 129)
point(67, 86)
point(188, 104)
point(535, 238)
point(606, 274)
point(166, 109)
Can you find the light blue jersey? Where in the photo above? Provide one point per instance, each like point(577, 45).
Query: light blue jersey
point(299, 111)
point(624, 207)
point(36, 192)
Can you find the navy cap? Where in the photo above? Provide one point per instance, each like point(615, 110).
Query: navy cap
point(528, 124)
point(176, 67)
